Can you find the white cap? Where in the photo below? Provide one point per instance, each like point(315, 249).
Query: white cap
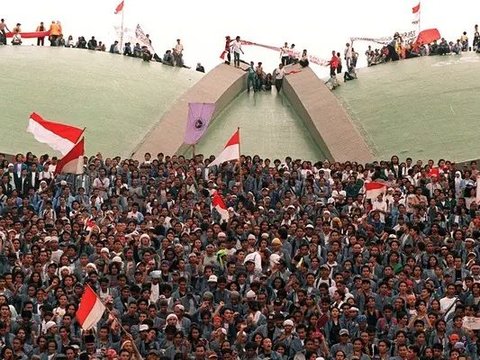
point(221, 234)
point(49, 325)
point(288, 322)
point(105, 250)
point(117, 259)
point(143, 327)
point(251, 294)
point(212, 278)
point(172, 316)
point(251, 237)
point(274, 259)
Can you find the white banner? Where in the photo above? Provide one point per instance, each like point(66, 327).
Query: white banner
point(406, 36)
point(471, 322)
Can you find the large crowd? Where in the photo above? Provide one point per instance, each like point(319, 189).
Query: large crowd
point(399, 48)
point(144, 50)
point(303, 266)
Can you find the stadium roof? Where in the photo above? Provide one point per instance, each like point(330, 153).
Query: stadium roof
point(117, 98)
point(424, 108)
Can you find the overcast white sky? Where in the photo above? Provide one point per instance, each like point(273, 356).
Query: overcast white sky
point(319, 26)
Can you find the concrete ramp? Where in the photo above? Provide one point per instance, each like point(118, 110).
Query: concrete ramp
point(220, 86)
point(324, 116)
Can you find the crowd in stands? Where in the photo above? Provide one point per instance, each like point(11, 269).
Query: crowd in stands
point(399, 48)
point(304, 266)
point(172, 57)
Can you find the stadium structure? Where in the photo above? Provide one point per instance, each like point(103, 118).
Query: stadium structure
point(424, 108)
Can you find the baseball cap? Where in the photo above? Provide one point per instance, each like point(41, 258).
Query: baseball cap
point(344, 332)
point(213, 278)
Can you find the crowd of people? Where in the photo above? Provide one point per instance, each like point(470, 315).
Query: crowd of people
point(400, 48)
point(172, 57)
point(304, 263)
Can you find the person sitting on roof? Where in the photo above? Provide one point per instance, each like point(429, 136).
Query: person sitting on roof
point(351, 74)
point(137, 50)
point(168, 58)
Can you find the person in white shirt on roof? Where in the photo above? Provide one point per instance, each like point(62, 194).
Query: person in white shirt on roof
point(237, 49)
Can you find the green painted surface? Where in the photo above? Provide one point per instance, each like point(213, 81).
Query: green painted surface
point(424, 108)
point(268, 127)
point(118, 99)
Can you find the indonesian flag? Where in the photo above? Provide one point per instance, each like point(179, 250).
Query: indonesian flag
point(89, 223)
point(231, 150)
point(119, 7)
point(219, 205)
point(416, 9)
point(434, 171)
point(90, 310)
point(72, 163)
point(373, 189)
point(416, 14)
point(60, 137)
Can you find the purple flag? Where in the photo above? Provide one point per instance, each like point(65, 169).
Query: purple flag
point(199, 115)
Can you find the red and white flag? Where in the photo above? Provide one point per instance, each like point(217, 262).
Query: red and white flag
point(416, 14)
point(231, 150)
point(119, 7)
point(90, 310)
point(219, 205)
point(60, 137)
point(72, 163)
point(373, 189)
point(416, 9)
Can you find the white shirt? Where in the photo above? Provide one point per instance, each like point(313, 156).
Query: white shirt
point(279, 73)
point(237, 46)
point(348, 52)
point(445, 303)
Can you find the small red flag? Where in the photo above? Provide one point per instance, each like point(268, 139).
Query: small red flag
point(119, 7)
point(416, 9)
point(90, 309)
point(72, 162)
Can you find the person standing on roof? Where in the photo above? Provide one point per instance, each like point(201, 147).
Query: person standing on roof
point(284, 51)
point(41, 39)
point(237, 49)
point(55, 32)
point(178, 54)
point(227, 50)
point(348, 55)
point(3, 27)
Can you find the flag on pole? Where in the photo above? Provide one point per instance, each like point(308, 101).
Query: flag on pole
point(119, 7)
point(60, 137)
point(416, 14)
point(72, 162)
point(90, 310)
point(373, 189)
point(219, 205)
point(416, 9)
point(199, 116)
point(231, 150)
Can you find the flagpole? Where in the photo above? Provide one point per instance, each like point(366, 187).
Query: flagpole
point(193, 150)
point(419, 17)
point(239, 156)
point(121, 34)
point(121, 326)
